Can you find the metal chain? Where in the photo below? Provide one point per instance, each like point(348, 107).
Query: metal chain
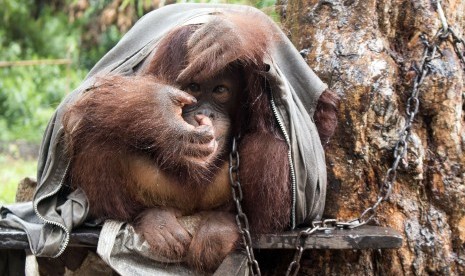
point(241, 217)
point(430, 53)
point(294, 265)
point(457, 41)
point(448, 32)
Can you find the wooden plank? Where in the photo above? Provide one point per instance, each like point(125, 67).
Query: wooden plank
point(17, 239)
point(13, 239)
point(364, 237)
point(235, 264)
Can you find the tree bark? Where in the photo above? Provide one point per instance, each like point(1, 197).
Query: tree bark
point(366, 51)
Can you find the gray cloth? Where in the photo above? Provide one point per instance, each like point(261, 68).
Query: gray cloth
point(55, 211)
point(129, 254)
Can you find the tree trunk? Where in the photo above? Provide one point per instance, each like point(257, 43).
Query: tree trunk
point(366, 51)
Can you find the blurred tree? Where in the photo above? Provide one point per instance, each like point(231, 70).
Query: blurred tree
point(28, 95)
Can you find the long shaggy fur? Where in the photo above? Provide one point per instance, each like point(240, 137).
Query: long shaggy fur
point(109, 122)
point(171, 56)
point(119, 117)
point(264, 168)
point(105, 125)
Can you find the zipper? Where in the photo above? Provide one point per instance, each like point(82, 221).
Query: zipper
point(67, 234)
point(289, 156)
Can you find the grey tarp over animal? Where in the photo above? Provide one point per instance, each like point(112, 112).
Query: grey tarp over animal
point(295, 88)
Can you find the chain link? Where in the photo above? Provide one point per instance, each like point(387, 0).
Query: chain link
point(430, 53)
point(294, 266)
point(459, 46)
point(241, 217)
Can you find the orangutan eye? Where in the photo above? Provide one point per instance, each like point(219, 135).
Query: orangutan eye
point(221, 89)
point(193, 87)
point(221, 93)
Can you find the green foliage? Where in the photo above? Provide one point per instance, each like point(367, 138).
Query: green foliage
point(95, 41)
point(91, 53)
point(11, 173)
point(30, 94)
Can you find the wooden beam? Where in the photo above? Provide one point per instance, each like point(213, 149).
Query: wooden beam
point(17, 239)
point(235, 264)
point(364, 237)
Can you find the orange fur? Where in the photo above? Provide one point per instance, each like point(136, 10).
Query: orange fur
point(129, 143)
point(227, 38)
point(156, 188)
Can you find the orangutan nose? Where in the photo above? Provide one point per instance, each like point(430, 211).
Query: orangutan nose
point(206, 112)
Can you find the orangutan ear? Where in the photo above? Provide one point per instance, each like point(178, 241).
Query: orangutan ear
point(326, 115)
